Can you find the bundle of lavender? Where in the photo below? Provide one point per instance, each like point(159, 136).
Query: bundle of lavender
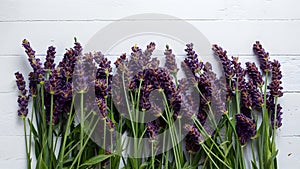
point(144, 115)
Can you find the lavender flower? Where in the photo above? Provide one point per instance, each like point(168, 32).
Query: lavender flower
point(262, 56)
point(148, 52)
point(228, 69)
point(271, 109)
point(246, 101)
point(104, 69)
point(278, 116)
point(69, 60)
point(193, 139)
point(53, 84)
point(156, 79)
point(245, 127)
point(239, 78)
point(49, 63)
point(81, 81)
point(254, 74)
point(192, 61)
point(170, 61)
point(225, 61)
point(104, 114)
point(38, 71)
point(23, 98)
point(153, 129)
point(275, 85)
point(256, 96)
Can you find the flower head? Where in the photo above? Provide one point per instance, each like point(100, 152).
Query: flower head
point(275, 85)
point(245, 127)
point(192, 139)
point(225, 61)
point(254, 74)
point(170, 61)
point(23, 98)
point(262, 56)
point(191, 61)
point(35, 63)
point(49, 63)
point(239, 78)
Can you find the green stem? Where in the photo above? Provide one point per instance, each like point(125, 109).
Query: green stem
point(50, 134)
point(204, 133)
point(44, 125)
point(26, 144)
point(82, 149)
point(81, 125)
point(173, 137)
point(152, 155)
point(208, 152)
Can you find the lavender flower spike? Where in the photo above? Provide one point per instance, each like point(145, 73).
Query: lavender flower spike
point(49, 63)
point(170, 61)
point(275, 85)
point(245, 127)
point(23, 98)
point(262, 56)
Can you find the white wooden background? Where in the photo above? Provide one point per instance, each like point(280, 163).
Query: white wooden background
point(234, 24)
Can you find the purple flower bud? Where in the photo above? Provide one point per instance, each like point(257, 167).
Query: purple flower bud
point(192, 61)
point(49, 63)
point(239, 78)
point(34, 62)
point(170, 61)
point(262, 56)
point(153, 129)
point(245, 127)
point(256, 96)
point(23, 98)
point(225, 61)
point(192, 139)
point(275, 85)
point(271, 109)
point(254, 74)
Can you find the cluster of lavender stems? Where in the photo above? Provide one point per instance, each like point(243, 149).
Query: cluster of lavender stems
point(219, 115)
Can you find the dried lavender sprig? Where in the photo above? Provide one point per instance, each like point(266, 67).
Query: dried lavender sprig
point(239, 82)
point(170, 63)
point(193, 139)
point(256, 96)
point(68, 62)
point(254, 74)
point(245, 127)
point(49, 63)
point(262, 56)
point(23, 98)
point(274, 110)
point(191, 61)
point(225, 61)
point(38, 71)
point(275, 85)
point(227, 68)
point(152, 131)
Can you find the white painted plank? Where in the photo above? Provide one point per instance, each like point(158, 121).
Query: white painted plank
point(106, 9)
point(291, 115)
point(12, 10)
point(10, 123)
point(289, 152)
point(12, 154)
point(279, 38)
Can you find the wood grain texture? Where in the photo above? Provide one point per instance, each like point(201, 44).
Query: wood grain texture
point(233, 24)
